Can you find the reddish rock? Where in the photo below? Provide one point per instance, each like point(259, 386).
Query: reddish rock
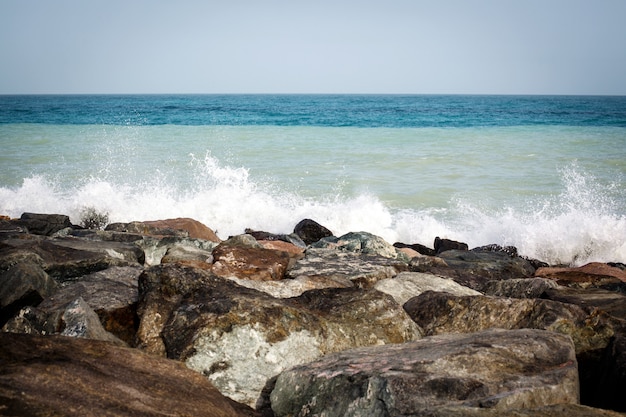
point(63, 376)
point(594, 274)
point(195, 229)
point(250, 263)
point(282, 246)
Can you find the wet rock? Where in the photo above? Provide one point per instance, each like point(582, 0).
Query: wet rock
point(360, 242)
point(439, 313)
point(44, 224)
point(595, 274)
point(330, 264)
point(509, 250)
point(442, 245)
point(495, 369)
point(407, 285)
point(62, 376)
point(520, 288)
point(240, 338)
point(310, 231)
point(475, 269)
point(419, 248)
point(23, 284)
point(252, 263)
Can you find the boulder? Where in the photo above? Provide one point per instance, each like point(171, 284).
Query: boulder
point(240, 338)
point(361, 269)
point(194, 228)
point(62, 376)
point(44, 224)
point(155, 248)
point(475, 269)
point(442, 245)
point(496, 369)
point(253, 263)
point(294, 251)
point(146, 229)
point(361, 242)
point(23, 284)
point(520, 287)
point(438, 313)
point(595, 274)
point(556, 410)
point(407, 285)
point(291, 238)
point(417, 247)
point(610, 302)
point(310, 231)
point(287, 288)
point(111, 294)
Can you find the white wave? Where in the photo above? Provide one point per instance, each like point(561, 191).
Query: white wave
point(584, 223)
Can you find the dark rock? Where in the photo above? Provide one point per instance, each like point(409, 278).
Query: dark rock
point(254, 263)
point(310, 231)
point(240, 338)
point(475, 269)
point(424, 250)
point(557, 410)
point(510, 250)
point(23, 284)
point(360, 242)
point(360, 269)
point(438, 313)
point(62, 376)
point(292, 238)
point(44, 224)
point(146, 229)
point(519, 288)
point(442, 245)
point(611, 302)
point(495, 369)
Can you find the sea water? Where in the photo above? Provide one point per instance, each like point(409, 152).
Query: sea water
point(545, 174)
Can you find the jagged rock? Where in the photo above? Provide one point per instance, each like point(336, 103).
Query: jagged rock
point(595, 274)
point(63, 376)
point(495, 369)
point(287, 288)
point(240, 338)
point(66, 259)
point(361, 269)
point(23, 284)
point(291, 238)
point(155, 248)
point(194, 228)
point(253, 263)
point(44, 224)
point(519, 288)
point(185, 254)
point(475, 269)
point(294, 251)
point(146, 229)
point(360, 242)
point(407, 285)
point(611, 302)
point(419, 248)
point(438, 313)
point(310, 231)
point(509, 250)
point(105, 235)
point(442, 245)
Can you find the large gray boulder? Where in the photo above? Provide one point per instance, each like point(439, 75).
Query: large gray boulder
point(240, 338)
point(496, 369)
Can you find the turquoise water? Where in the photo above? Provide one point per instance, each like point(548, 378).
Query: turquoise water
point(546, 174)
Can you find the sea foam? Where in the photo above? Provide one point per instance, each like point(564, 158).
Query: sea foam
point(581, 224)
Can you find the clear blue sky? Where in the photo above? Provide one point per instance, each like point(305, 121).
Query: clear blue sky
point(313, 46)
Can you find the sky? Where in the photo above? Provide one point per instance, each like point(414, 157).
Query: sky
point(313, 46)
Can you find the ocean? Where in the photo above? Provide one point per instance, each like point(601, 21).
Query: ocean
point(546, 174)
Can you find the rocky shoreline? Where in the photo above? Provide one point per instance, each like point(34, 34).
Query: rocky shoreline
point(164, 318)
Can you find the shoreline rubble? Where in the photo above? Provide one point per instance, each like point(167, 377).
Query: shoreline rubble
point(298, 324)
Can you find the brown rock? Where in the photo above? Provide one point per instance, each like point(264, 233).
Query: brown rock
point(194, 228)
point(250, 263)
point(61, 376)
point(594, 274)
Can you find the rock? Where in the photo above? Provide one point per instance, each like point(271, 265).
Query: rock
point(291, 238)
point(44, 224)
point(419, 248)
point(294, 251)
point(519, 288)
point(146, 229)
point(595, 274)
point(476, 269)
point(194, 228)
point(496, 369)
point(23, 284)
point(330, 264)
point(442, 245)
point(155, 248)
point(240, 338)
point(111, 293)
point(288, 288)
point(407, 285)
point(253, 263)
point(310, 231)
point(79, 320)
point(360, 242)
point(184, 254)
point(62, 376)
point(438, 313)
point(610, 302)
point(557, 410)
